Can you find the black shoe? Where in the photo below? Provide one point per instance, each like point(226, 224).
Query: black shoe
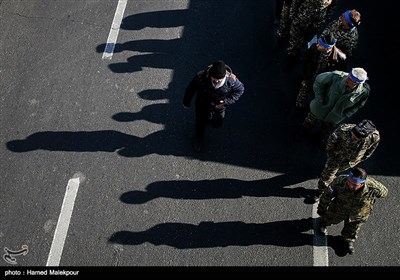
point(350, 247)
point(315, 198)
point(311, 199)
point(323, 231)
point(197, 145)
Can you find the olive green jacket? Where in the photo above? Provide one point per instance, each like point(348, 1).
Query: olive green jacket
point(332, 103)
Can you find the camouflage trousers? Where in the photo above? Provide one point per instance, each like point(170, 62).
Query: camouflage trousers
point(350, 229)
point(323, 129)
point(328, 174)
point(285, 20)
point(304, 93)
point(301, 31)
point(310, 121)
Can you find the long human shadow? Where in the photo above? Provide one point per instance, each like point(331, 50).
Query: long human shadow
point(91, 141)
point(152, 45)
point(210, 234)
point(155, 113)
point(162, 54)
point(221, 188)
point(136, 63)
point(110, 141)
point(147, 113)
point(159, 19)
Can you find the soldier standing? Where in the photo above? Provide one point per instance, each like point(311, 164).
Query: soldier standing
point(350, 198)
point(288, 10)
point(346, 147)
point(345, 31)
point(307, 21)
point(321, 56)
point(338, 95)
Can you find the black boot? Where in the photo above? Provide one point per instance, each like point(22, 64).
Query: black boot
point(315, 198)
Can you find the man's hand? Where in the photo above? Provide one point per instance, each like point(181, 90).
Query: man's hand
point(374, 193)
point(220, 105)
point(184, 106)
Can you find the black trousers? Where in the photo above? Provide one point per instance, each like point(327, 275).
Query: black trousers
point(205, 115)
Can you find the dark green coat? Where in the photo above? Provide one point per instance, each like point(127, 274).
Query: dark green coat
point(332, 103)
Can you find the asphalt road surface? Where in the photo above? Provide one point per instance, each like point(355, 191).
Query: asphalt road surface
point(96, 162)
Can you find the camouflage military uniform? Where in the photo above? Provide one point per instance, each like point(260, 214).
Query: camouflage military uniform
point(307, 21)
point(289, 8)
point(315, 63)
point(343, 152)
point(339, 203)
point(347, 39)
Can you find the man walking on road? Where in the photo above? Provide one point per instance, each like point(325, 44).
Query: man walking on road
point(215, 88)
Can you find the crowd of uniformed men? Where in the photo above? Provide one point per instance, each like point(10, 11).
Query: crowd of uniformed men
point(329, 94)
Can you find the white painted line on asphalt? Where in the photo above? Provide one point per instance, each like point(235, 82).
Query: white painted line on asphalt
point(113, 35)
point(63, 223)
point(320, 249)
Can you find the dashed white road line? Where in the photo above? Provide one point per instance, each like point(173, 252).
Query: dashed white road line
point(63, 223)
point(113, 35)
point(320, 249)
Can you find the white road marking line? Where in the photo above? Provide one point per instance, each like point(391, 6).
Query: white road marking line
point(63, 223)
point(113, 35)
point(320, 249)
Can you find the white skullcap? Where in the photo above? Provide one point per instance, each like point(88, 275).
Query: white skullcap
point(358, 75)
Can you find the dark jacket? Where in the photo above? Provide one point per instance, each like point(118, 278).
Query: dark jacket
point(201, 86)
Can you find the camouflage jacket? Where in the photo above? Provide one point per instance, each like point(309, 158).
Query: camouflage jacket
point(317, 11)
point(332, 103)
point(339, 201)
point(347, 39)
point(201, 87)
point(341, 148)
